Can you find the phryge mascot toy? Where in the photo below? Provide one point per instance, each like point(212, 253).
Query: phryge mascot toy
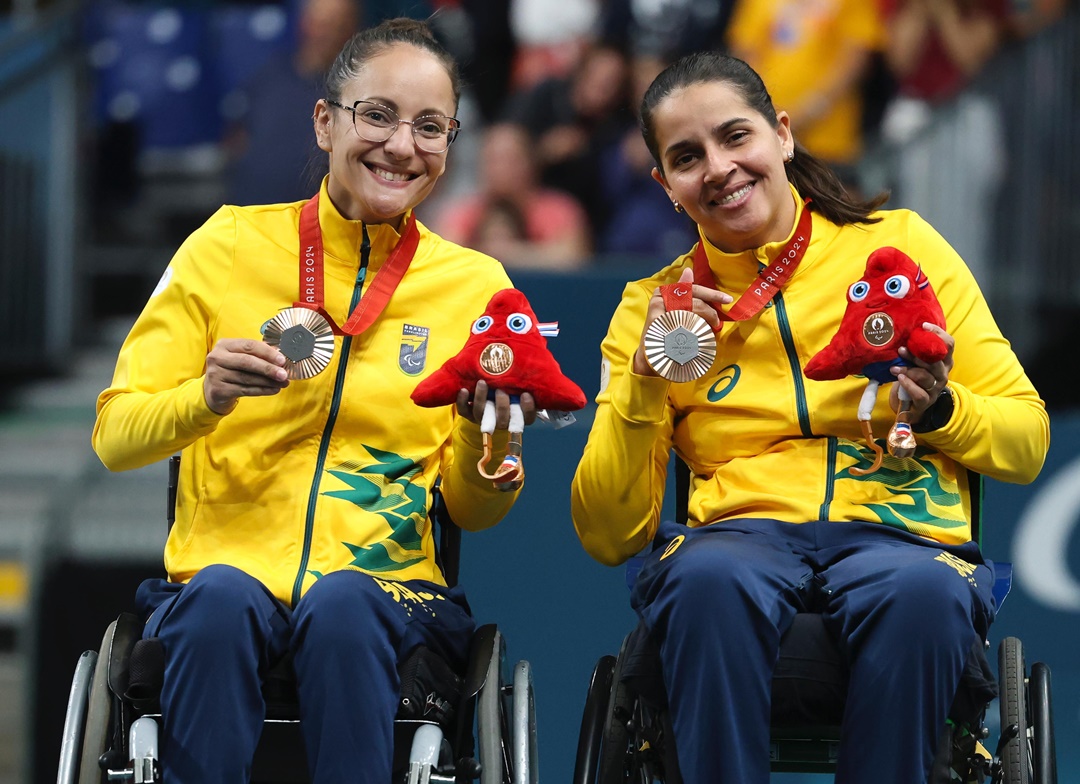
point(886, 309)
point(508, 350)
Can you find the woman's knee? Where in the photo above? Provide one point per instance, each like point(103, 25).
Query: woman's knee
point(719, 572)
point(346, 607)
point(939, 600)
point(212, 606)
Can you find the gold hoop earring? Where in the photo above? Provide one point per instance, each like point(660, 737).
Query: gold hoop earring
point(676, 205)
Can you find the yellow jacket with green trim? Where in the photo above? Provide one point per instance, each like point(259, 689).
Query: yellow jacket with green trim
point(333, 472)
point(763, 441)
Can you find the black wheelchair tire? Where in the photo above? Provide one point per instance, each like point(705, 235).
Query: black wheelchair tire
point(1016, 757)
point(619, 761)
point(591, 734)
point(1042, 725)
point(98, 716)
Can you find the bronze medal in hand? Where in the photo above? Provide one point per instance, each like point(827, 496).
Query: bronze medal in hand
point(679, 344)
point(304, 337)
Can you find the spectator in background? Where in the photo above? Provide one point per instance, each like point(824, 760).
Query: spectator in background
point(938, 125)
point(814, 55)
point(513, 218)
point(642, 222)
point(489, 53)
point(550, 38)
point(669, 29)
point(272, 155)
point(572, 120)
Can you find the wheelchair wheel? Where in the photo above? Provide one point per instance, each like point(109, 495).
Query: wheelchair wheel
point(525, 767)
point(618, 758)
point(590, 736)
point(1016, 757)
point(98, 715)
point(631, 738)
point(1045, 756)
point(75, 719)
point(492, 724)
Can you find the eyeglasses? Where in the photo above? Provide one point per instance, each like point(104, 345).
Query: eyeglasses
point(374, 122)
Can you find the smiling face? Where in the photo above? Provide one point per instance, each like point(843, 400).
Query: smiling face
point(724, 163)
point(378, 182)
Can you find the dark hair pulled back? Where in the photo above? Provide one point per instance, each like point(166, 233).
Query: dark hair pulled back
point(374, 40)
point(813, 179)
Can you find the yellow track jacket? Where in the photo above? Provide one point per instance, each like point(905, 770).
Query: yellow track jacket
point(333, 472)
point(764, 441)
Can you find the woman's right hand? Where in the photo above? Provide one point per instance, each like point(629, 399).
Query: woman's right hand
point(704, 298)
point(242, 367)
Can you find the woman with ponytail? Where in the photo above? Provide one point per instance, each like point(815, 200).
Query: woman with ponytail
point(278, 355)
point(776, 523)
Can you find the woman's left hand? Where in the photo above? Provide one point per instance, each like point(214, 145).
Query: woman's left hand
point(922, 381)
point(471, 406)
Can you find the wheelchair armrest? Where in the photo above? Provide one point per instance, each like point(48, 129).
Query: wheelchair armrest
point(126, 633)
point(147, 672)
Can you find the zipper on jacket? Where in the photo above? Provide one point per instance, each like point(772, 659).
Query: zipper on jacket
point(328, 431)
point(793, 360)
point(830, 478)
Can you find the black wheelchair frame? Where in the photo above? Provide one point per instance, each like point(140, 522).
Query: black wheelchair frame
point(484, 728)
point(626, 735)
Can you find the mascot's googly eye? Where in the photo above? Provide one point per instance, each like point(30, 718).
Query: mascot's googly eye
point(858, 291)
point(482, 324)
point(898, 286)
point(519, 323)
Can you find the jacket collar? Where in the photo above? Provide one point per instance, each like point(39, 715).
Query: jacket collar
point(343, 238)
point(737, 268)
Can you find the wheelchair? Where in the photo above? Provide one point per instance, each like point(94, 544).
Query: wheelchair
point(476, 725)
point(626, 735)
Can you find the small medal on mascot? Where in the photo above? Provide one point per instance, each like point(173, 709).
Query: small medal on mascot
point(886, 309)
point(508, 350)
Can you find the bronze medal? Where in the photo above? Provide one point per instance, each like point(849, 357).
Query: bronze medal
point(304, 337)
point(680, 345)
point(878, 328)
point(496, 358)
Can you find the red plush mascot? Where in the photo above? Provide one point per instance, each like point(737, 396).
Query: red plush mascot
point(508, 350)
point(886, 309)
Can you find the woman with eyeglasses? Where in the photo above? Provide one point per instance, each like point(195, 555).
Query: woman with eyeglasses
point(277, 354)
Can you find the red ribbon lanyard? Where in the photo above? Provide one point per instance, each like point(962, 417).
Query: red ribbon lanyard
point(381, 288)
point(769, 280)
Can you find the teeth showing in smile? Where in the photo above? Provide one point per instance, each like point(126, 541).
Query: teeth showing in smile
point(737, 194)
point(391, 176)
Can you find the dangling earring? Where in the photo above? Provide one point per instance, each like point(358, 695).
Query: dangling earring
point(676, 205)
point(791, 155)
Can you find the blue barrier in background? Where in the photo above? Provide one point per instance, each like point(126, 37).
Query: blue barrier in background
point(562, 611)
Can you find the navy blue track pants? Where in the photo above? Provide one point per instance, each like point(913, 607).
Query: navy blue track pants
point(223, 631)
point(904, 611)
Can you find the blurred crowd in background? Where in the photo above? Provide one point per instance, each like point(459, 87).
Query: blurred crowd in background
point(124, 124)
point(190, 104)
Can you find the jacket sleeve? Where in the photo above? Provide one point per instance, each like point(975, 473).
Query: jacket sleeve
point(999, 426)
point(618, 488)
point(155, 405)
